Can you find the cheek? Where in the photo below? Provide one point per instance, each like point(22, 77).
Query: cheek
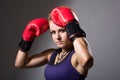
point(65, 36)
point(66, 40)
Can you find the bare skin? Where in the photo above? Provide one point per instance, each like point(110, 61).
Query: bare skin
point(81, 60)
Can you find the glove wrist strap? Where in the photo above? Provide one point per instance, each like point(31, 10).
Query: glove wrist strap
point(74, 31)
point(25, 45)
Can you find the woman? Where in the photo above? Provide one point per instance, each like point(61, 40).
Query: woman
point(72, 59)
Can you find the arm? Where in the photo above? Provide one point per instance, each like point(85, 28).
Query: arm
point(65, 17)
point(83, 52)
point(25, 61)
point(32, 30)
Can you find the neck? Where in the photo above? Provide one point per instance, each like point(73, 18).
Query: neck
point(67, 49)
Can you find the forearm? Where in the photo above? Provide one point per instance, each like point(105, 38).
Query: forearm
point(65, 17)
point(83, 52)
point(21, 59)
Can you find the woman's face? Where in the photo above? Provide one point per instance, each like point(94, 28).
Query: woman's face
point(59, 35)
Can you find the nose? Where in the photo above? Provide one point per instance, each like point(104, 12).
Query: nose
point(58, 36)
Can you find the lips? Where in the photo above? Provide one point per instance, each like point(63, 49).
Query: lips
point(59, 42)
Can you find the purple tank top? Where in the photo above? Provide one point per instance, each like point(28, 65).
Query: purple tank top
point(63, 70)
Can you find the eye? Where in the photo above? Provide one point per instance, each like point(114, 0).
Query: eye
point(52, 32)
point(62, 30)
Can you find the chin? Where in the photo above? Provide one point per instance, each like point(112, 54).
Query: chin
point(60, 46)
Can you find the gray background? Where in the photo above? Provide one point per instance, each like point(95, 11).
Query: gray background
point(99, 18)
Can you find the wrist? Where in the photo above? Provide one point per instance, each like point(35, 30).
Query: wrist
point(25, 45)
point(74, 31)
point(74, 36)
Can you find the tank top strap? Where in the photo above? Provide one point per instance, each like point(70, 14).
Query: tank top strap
point(70, 54)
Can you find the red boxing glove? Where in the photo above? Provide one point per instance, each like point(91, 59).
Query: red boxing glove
point(33, 29)
point(61, 15)
point(64, 17)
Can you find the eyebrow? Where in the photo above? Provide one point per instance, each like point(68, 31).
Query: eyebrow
point(58, 29)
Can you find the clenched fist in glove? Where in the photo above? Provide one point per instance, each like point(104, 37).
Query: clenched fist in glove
point(64, 17)
point(33, 29)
